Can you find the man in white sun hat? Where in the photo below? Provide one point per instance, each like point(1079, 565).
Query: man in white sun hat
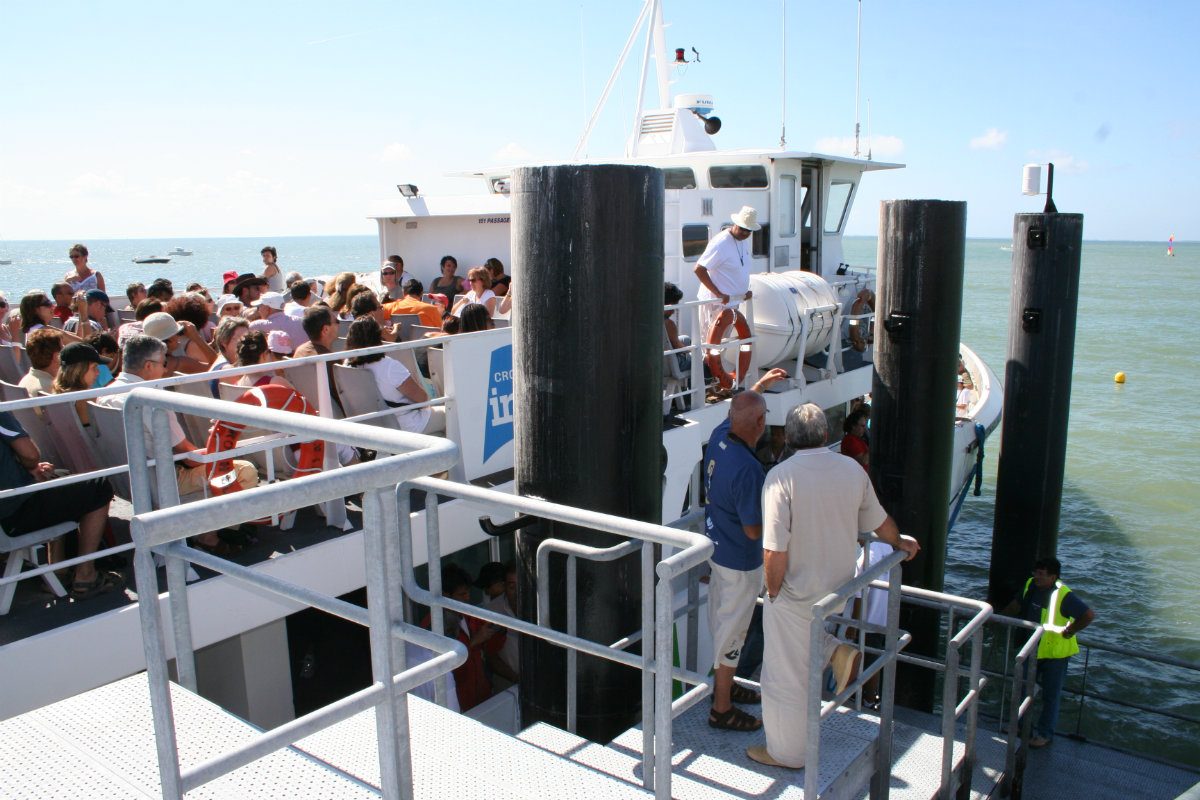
point(724, 274)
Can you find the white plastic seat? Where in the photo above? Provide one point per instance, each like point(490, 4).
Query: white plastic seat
point(22, 548)
point(34, 423)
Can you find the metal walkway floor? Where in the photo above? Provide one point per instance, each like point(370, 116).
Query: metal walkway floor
point(100, 744)
point(710, 764)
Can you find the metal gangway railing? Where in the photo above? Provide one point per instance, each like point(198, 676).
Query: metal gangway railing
point(164, 531)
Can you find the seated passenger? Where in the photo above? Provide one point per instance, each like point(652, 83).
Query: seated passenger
point(42, 347)
point(448, 284)
point(182, 340)
point(144, 357)
point(499, 584)
point(253, 349)
point(672, 296)
point(162, 290)
point(229, 332)
point(300, 296)
point(397, 386)
point(228, 305)
point(428, 314)
point(270, 314)
point(193, 307)
point(10, 322)
point(474, 317)
point(500, 281)
point(36, 313)
point(481, 291)
point(91, 315)
point(135, 293)
point(84, 503)
point(280, 345)
point(110, 358)
point(339, 298)
point(365, 304)
point(78, 370)
point(145, 308)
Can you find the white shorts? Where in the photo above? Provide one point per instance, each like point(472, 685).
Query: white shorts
point(732, 595)
point(708, 314)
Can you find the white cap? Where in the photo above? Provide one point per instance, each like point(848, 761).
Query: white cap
point(272, 299)
point(225, 300)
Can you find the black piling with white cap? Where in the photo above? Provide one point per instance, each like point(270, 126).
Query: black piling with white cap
point(922, 247)
point(587, 358)
point(1037, 397)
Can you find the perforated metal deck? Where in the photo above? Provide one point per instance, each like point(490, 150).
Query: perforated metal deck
point(100, 744)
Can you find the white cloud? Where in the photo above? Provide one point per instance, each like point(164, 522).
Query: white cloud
point(1063, 162)
point(396, 151)
point(878, 146)
point(993, 139)
point(91, 184)
point(510, 153)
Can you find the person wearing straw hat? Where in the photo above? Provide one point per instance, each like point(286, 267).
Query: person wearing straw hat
point(724, 269)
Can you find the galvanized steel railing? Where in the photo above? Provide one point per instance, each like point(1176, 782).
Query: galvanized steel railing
point(655, 661)
point(163, 532)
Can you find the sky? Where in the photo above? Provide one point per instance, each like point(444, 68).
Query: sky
point(138, 119)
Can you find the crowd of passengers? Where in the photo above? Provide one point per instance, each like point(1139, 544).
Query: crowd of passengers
point(76, 339)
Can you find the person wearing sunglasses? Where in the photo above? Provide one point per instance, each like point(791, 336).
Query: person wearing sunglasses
point(10, 324)
point(82, 278)
point(481, 292)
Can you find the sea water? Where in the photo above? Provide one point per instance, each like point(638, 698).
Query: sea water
point(1126, 530)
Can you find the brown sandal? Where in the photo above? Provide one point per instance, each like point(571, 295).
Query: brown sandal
point(733, 720)
point(744, 695)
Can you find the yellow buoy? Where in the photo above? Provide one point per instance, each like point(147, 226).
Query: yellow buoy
point(1119, 377)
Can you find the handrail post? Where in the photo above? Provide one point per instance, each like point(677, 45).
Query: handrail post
point(572, 653)
point(433, 565)
point(975, 685)
point(662, 680)
point(649, 644)
point(949, 703)
point(1087, 657)
point(693, 619)
point(391, 715)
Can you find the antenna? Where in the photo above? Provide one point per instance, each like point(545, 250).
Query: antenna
point(858, 79)
point(783, 75)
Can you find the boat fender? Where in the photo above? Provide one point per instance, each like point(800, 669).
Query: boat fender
point(716, 334)
point(222, 477)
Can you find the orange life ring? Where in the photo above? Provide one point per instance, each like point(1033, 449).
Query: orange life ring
point(716, 334)
point(222, 477)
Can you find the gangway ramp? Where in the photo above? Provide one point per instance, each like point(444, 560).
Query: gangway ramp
point(708, 764)
point(100, 744)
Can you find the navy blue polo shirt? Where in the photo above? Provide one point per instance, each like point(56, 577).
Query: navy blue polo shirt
point(733, 480)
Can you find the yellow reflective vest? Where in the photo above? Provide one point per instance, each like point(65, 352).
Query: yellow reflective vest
point(1053, 643)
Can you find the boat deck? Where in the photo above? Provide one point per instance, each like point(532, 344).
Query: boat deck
point(101, 744)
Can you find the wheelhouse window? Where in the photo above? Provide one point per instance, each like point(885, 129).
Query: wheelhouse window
point(679, 178)
point(787, 205)
point(738, 176)
point(695, 239)
point(839, 201)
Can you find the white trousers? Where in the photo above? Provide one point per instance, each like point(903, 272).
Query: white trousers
point(786, 650)
point(732, 595)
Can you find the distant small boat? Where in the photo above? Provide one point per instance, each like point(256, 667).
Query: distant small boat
point(152, 260)
point(179, 251)
point(5, 261)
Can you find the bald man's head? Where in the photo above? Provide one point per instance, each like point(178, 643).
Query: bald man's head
point(748, 416)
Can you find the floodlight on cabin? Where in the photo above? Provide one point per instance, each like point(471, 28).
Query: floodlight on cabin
point(407, 189)
point(1031, 184)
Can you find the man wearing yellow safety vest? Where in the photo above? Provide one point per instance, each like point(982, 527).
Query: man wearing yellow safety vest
point(1047, 600)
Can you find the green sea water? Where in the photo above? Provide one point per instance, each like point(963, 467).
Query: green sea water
point(1133, 456)
point(1126, 531)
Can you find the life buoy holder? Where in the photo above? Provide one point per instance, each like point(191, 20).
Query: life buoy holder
point(310, 456)
point(716, 335)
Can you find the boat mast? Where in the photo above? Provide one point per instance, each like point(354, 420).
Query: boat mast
point(581, 146)
point(783, 75)
point(656, 40)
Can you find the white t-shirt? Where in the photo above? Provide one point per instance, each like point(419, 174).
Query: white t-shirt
point(471, 297)
point(389, 374)
point(965, 398)
point(814, 505)
point(118, 401)
point(728, 263)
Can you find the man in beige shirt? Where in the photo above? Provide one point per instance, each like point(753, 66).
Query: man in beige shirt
point(43, 347)
point(814, 505)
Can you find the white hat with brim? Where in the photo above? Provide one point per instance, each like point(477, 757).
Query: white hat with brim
point(226, 299)
point(746, 219)
point(161, 325)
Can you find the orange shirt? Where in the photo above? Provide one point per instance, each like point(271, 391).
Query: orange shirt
point(431, 315)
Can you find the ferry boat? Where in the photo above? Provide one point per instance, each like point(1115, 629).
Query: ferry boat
point(98, 714)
